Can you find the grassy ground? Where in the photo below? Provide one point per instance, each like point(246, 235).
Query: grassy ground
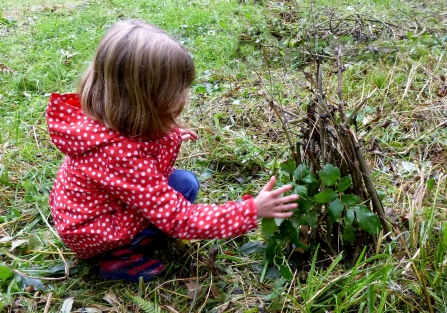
point(394, 48)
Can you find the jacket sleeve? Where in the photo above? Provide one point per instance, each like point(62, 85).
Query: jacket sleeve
point(137, 182)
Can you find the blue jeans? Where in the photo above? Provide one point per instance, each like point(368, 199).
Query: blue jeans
point(186, 183)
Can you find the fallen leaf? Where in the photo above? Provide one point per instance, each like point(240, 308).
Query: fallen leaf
point(67, 305)
point(409, 167)
point(5, 239)
point(16, 243)
point(442, 91)
point(193, 289)
point(215, 291)
point(227, 308)
point(111, 298)
point(212, 255)
point(6, 69)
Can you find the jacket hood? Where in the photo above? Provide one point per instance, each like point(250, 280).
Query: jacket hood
point(71, 130)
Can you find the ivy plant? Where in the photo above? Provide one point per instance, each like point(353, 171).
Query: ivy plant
point(325, 198)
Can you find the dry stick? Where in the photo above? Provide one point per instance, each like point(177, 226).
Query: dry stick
point(272, 103)
point(47, 305)
point(321, 111)
point(428, 133)
point(193, 156)
point(358, 107)
point(377, 204)
point(341, 105)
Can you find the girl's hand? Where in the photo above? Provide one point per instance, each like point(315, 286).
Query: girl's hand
point(271, 204)
point(188, 134)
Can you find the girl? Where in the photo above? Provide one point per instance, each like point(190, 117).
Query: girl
point(117, 189)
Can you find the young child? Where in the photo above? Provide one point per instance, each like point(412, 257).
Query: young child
point(116, 189)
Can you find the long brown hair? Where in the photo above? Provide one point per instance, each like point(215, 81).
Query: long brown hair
point(138, 80)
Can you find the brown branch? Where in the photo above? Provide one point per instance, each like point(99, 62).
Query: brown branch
point(377, 204)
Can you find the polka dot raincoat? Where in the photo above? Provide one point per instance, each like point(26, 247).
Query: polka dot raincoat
point(110, 187)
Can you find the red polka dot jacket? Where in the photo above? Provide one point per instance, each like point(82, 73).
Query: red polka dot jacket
point(110, 187)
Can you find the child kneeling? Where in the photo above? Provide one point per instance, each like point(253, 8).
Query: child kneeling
point(116, 190)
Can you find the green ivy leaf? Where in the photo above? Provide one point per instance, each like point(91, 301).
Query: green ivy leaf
point(5, 273)
point(344, 183)
point(335, 209)
point(312, 219)
point(326, 196)
point(349, 233)
point(286, 227)
point(268, 227)
point(350, 216)
point(330, 174)
point(368, 221)
point(350, 199)
point(300, 190)
point(249, 247)
point(289, 166)
point(303, 205)
point(286, 272)
point(303, 174)
point(270, 251)
point(300, 172)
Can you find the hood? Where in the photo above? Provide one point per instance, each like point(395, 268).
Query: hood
point(71, 131)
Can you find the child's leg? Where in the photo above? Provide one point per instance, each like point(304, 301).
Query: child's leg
point(186, 183)
point(127, 262)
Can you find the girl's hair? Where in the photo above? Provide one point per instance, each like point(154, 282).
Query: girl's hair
point(137, 83)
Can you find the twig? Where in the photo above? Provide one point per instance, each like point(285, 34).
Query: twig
point(35, 137)
point(428, 133)
point(208, 294)
point(288, 112)
point(47, 305)
point(321, 110)
point(193, 156)
point(341, 105)
point(377, 204)
point(358, 107)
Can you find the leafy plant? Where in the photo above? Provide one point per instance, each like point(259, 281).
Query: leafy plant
point(325, 199)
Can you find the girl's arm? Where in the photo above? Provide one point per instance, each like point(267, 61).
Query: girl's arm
point(150, 196)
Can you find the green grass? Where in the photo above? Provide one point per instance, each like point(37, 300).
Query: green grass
point(45, 46)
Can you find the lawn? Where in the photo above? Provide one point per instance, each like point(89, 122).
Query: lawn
point(377, 65)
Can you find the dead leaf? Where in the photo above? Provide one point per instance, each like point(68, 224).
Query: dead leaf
point(193, 289)
point(228, 252)
point(16, 243)
point(442, 91)
point(111, 298)
point(215, 291)
point(6, 69)
point(227, 308)
point(212, 255)
point(67, 305)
